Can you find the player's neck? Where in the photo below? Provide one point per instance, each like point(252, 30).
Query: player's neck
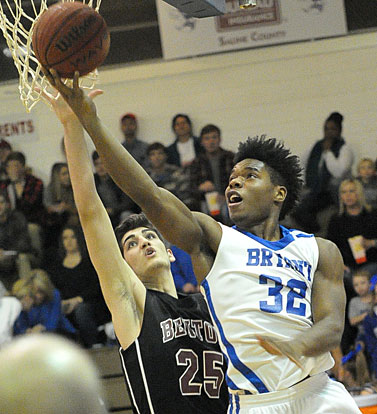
point(268, 229)
point(163, 283)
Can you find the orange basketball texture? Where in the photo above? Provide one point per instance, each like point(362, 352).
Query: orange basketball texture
point(71, 37)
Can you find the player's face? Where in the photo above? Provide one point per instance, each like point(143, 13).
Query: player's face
point(250, 194)
point(361, 285)
point(145, 252)
point(211, 142)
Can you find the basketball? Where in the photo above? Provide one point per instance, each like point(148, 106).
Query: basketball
point(69, 37)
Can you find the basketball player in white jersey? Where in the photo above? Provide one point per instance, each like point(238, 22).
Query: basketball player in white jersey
point(275, 295)
point(169, 349)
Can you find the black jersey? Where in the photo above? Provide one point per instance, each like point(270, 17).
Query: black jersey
point(175, 365)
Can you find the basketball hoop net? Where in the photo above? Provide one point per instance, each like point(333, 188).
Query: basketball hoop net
point(17, 26)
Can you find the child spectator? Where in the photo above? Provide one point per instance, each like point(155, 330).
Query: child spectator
point(360, 305)
point(366, 174)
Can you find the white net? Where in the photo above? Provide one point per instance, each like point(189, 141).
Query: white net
point(17, 21)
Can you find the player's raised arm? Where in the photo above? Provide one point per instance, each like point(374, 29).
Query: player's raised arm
point(123, 291)
point(165, 211)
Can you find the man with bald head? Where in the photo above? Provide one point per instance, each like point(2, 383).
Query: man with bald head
point(45, 374)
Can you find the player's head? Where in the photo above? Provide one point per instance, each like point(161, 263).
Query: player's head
point(143, 247)
point(265, 176)
point(45, 374)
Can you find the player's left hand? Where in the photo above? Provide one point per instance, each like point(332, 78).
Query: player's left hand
point(281, 348)
point(80, 103)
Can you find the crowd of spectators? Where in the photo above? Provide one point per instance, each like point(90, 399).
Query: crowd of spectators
point(48, 282)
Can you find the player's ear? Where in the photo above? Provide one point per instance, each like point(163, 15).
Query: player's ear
point(171, 255)
point(280, 193)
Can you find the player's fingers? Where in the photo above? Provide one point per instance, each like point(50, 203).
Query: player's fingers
point(59, 85)
point(95, 93)
point(48, 75)
point(76, 80)
point(268, 346)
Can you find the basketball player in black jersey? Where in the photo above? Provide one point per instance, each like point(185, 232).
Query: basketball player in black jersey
point(169, 350)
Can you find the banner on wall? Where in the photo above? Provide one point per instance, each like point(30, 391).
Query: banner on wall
point(272, 22)
point(18, 127)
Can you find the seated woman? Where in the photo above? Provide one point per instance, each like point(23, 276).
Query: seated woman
point(47, 310)
point(355, 218)
point(60, 205)
point(44, 314)
point(75, 277)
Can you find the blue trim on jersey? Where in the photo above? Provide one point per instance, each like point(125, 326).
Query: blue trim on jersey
point(240, 366)
point(274, 245)
point(237, 398)
point(228, 381)
point(230, 403)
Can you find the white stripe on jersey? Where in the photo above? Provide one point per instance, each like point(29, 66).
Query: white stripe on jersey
point(145, 382)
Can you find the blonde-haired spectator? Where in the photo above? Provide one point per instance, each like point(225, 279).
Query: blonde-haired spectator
point(355, 218)
point(45, 314)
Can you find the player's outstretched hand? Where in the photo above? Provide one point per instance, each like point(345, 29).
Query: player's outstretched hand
point(81, 104)
point(280, 348)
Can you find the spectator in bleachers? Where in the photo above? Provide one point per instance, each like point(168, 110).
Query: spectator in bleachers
point(171, 177)
point(5, 150)
point(60, 206)
point(136, 147)
point(117, 204)
point(75, 277)
point(186, 146)
point(355, 218)
point(16, 254)
point(330, 161)
point(366, 174)
point(25, 193)
point(22, 289)
point(210, 171)
point(46, 314)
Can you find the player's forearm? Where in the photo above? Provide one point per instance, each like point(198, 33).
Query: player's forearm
point(123, 168)
point(79, 166)
point(320, 338)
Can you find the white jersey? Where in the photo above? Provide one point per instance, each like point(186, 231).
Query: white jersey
point(261, 287)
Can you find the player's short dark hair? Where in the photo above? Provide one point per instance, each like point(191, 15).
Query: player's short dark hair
point(131, 222)
point(283, 167)
point(16, 156)
point(156, 146)
point(180, 116)
point(210, 128)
